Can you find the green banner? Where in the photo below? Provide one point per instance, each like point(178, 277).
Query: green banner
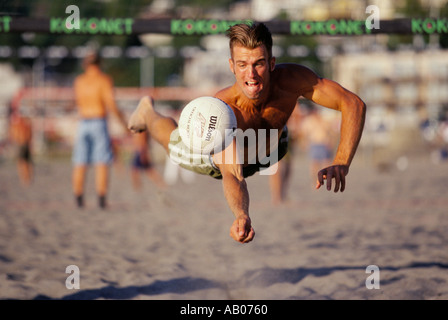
point(189, 27)
point(93, 26)
point(202, 27)
point(430, 26)
point(329, 27)
point(5, 22)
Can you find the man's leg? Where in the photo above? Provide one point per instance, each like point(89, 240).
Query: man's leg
point(275, 184)
point(78, 179)
point(145, 117)
point(101, 183)
point(135, 177)
point(25, 171)
point(155, 177)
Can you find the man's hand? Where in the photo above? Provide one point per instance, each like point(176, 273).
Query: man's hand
point(338, 172)
point(137, 120)
point(242, 230)
point(136, 123)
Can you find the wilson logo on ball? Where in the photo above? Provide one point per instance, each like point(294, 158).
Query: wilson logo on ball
point(211, 127)
point(204, 124)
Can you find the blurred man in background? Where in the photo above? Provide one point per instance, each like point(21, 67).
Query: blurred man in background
point(94, 94)
point(319, 138)
point(21, 134)
point(142, 162)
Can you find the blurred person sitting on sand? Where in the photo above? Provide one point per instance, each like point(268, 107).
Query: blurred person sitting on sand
point(94, 94)
point(262, 98)
point(142, 162)
point(21, 134)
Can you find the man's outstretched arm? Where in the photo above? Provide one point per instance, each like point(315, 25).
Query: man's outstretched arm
point(353, 110)
point(237, 196)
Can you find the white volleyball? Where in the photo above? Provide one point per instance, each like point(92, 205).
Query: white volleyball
point(206, 124)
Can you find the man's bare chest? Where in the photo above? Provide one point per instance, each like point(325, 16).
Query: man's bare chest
point(268, 117)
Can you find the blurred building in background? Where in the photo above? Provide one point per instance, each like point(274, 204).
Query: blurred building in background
point(407, 97)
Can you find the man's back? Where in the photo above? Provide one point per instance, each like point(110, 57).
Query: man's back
point(21, 131)
point(93, 89)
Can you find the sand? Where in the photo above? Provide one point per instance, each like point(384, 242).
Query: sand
point(151, 245)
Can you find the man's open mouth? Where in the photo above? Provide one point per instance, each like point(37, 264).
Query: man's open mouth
point(252, 83)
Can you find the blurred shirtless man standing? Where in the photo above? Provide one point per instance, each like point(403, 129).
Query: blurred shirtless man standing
point(21, 133)
point(95, 99)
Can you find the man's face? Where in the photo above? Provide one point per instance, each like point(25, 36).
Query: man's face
point(252, 69)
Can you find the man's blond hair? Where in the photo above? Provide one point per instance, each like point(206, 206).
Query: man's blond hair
point(250, 36)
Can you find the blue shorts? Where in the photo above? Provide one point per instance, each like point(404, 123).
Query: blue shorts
point(138, 163)
point(93, 144)
point(320, 152)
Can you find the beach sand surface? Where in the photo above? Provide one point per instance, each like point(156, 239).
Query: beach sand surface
point(153, 245)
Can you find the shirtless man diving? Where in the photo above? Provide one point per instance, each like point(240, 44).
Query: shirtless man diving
point(263, 97)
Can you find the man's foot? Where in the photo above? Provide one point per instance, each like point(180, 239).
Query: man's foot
point(102, 202)
point(137, 120)
point(79, 201)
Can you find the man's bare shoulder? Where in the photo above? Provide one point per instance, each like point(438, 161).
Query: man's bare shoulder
point(102, 76)
point(79, 77)
point(224, 93)
point(228, 95)
point(295, 77)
